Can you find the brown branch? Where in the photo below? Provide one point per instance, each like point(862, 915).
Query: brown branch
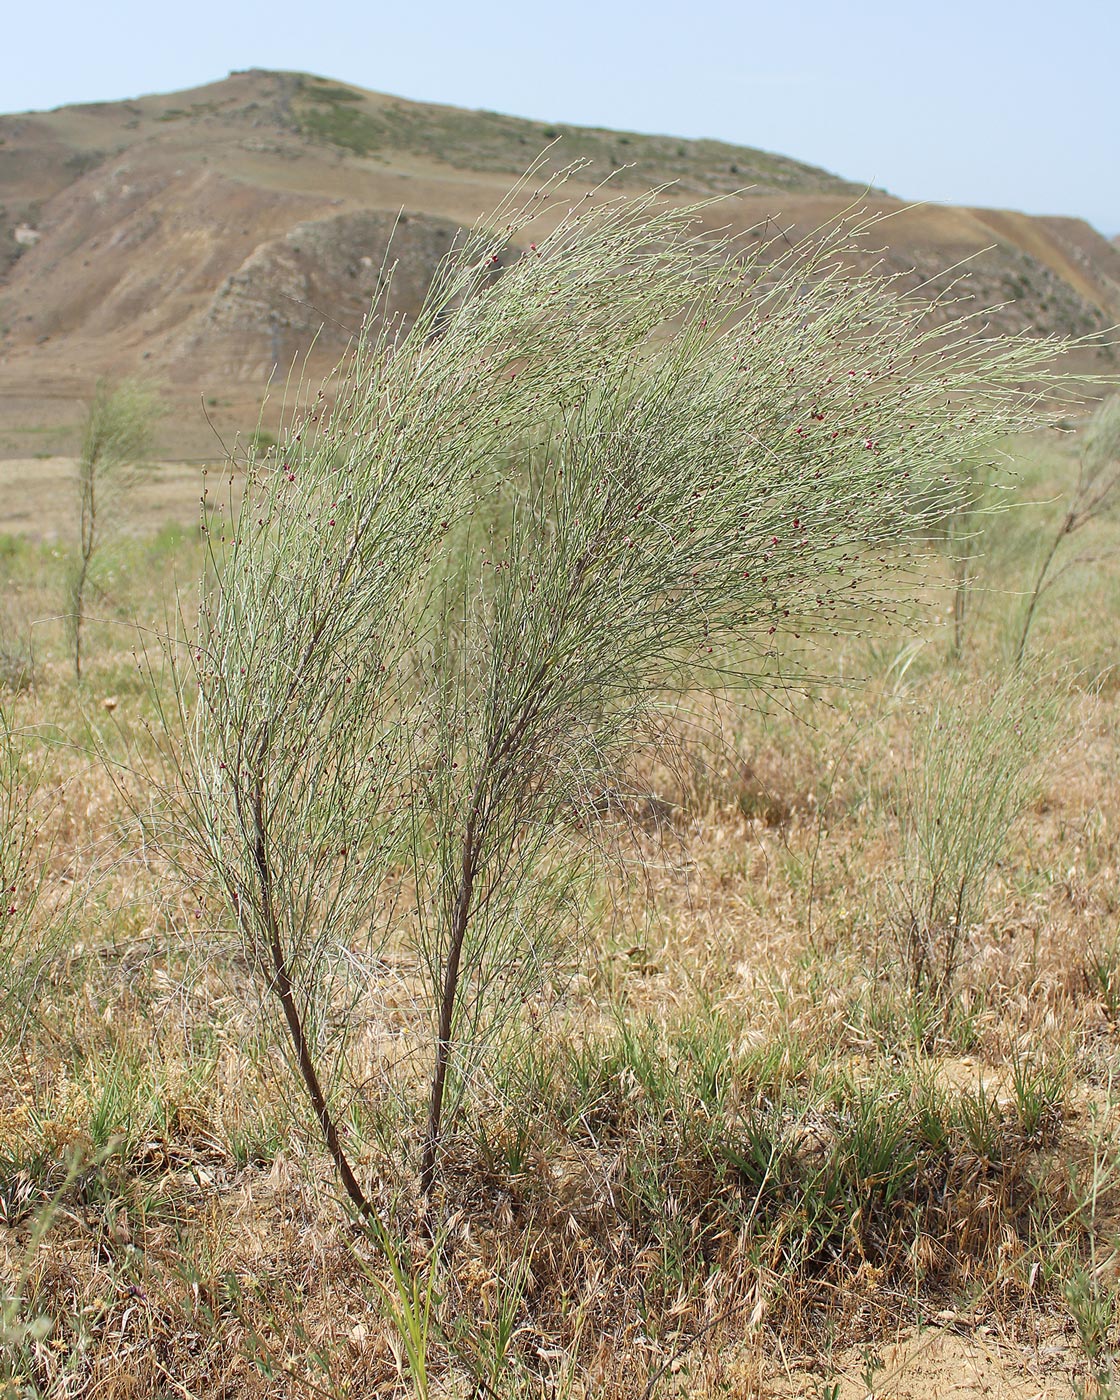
point(282, 986)
point(499, 757)
point(460, 920)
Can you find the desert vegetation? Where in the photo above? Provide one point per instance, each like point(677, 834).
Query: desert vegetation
point(117, 438)
point(592, 872)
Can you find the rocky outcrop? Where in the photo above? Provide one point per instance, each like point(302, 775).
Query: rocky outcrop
point(318, 283)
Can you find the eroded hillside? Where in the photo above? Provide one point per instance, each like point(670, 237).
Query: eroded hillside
point(209, 238)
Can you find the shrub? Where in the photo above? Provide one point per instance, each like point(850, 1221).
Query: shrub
point(642, 459)
point(977, 766)
point(1094, 494)
point(118, 435)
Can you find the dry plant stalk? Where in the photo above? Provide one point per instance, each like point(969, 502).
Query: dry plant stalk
point(639, 459)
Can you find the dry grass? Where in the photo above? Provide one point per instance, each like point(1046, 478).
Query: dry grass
point(730, 1153)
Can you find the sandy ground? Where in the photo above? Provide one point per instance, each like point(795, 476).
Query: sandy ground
point(943, 1365)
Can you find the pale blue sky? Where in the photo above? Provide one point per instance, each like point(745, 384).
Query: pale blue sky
point(995, 102)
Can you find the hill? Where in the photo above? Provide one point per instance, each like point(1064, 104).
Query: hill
point(206, 237)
